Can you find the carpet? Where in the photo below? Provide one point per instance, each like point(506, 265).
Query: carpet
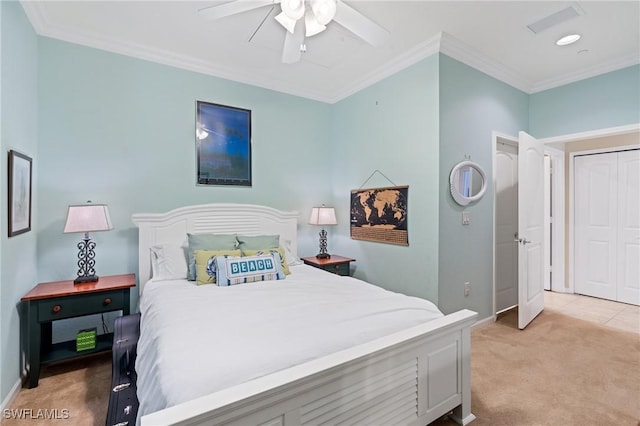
point(558, 371)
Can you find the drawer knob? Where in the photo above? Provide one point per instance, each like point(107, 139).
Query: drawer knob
point(56, 309)
point(107, 301)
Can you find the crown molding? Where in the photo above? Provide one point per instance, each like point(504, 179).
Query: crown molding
point(411, 57)
point(614, 65)
point(468, 55)
point(441, 42)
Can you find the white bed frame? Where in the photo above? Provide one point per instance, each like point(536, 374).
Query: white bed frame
point(411, 377)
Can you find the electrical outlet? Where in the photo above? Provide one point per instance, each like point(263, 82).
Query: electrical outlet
point(467, 288)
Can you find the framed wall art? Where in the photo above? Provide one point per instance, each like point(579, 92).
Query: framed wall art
point(380, 215)
point(19, 193)
point(223, 145)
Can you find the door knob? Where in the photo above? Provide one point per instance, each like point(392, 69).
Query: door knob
point(525, 241)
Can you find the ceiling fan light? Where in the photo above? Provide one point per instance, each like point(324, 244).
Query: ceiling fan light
point(311, 24)
point(285, 21)
point(324, 10)
point(294, 9)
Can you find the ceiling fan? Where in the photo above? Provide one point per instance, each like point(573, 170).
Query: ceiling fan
point(305, 18)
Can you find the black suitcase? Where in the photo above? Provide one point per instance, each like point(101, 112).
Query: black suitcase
point(123, 401)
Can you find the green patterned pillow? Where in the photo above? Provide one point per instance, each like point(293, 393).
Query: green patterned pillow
point(205, 264)
point(207, 242)
point(279, 250)
point(258, 242)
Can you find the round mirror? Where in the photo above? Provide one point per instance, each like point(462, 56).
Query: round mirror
point(468, 182)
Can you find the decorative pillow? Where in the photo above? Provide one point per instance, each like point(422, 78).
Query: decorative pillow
point(290, 258)
point(207, 242)
point(206, 265)
point(258, 242)
point(248, 269)
point(168, 262)
point(279, 250)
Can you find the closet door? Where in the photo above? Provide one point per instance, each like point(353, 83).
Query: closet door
point(628, 250)
point(596, 230)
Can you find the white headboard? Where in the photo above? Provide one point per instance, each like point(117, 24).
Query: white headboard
point(172, 227)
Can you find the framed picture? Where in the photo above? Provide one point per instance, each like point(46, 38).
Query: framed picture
point(380, 215)
point(223, 145)
point(19, 193)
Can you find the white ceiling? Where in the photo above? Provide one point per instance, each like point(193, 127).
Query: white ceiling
point(489, 35)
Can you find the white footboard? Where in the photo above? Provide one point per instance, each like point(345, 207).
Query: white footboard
point(411, 377)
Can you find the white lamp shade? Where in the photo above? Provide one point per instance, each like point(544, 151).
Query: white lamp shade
point(323, 216)
point(324, 10)
point(294, 9)
point(87, 218)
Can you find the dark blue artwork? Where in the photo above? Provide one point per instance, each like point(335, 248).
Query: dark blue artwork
point(223, 141)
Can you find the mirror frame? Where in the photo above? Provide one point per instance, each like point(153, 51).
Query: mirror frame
point(454, 183)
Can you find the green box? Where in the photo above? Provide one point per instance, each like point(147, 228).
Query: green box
point(86, 339)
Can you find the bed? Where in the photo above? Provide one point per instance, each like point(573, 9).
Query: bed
point(313, 348)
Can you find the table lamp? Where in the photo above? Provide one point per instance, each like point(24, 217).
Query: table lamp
point(87, 218)
point(323, 216)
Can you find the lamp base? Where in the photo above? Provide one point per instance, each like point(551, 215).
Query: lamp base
point(86, 279)
point(323, 256)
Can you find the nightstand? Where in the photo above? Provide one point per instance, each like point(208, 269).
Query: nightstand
point(335, 264)
point(53, 301)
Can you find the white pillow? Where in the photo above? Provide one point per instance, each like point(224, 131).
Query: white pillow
point(168, 262)
point(292, 260)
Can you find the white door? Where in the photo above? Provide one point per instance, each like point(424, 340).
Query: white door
point(530, 229)
point(506, 181)
point(628, 250)
point(596, 217)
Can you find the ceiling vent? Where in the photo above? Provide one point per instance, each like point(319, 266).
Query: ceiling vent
point(555, 19)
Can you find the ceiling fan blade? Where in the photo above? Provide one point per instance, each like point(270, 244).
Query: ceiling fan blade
point(232, 8)
point(360, 25)
point(291, 52)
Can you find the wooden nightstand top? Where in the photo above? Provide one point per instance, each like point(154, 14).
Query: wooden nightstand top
point(68, 288)
point(333, 260)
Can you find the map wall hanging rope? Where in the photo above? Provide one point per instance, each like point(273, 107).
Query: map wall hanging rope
point(380, 214)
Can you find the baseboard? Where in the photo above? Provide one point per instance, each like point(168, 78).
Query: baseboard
point(13, 394)
point(483, 322)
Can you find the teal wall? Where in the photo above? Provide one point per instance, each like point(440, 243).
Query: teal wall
point(19, 131)
point(472, 106)
point(391, 126)
point(120, 131)
point(608, 100)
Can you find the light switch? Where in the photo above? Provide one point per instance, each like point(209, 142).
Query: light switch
point(466, 218)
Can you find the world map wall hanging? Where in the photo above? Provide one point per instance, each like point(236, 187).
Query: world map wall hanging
point(380, 215)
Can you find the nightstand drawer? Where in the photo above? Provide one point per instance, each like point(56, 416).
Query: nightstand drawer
point(339, 269)
point(85, 304)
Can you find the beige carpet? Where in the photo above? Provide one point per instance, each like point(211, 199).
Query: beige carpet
point(559, 371)
point(81, 386)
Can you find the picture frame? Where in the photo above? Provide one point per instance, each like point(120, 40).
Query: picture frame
point(380, 215)
point(223, 145)
point(20, 174)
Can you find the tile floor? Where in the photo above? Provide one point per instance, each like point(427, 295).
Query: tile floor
point(605, 312)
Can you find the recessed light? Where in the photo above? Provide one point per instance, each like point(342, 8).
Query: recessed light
point(568, 39)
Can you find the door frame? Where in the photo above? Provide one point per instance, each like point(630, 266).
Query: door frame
point(573, 137)
point(497, 137)
point(558, 213)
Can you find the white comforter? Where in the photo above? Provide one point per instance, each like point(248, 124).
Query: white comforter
point(196, 340)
